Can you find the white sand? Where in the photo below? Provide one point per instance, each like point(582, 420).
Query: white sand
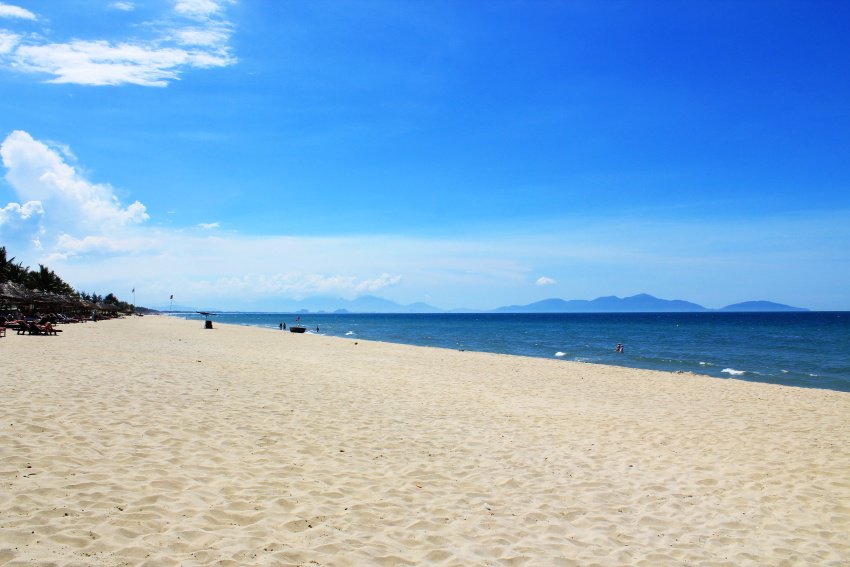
point(151, 441)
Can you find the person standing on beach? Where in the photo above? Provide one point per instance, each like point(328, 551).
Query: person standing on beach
point(281, 326)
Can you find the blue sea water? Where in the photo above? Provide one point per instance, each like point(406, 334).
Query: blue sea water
point(808, 349)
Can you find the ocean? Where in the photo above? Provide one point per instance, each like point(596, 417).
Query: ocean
point(807, 349)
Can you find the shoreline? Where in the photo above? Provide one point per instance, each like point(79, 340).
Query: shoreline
point(154, 441)
point(519, 356)
point(750, 376)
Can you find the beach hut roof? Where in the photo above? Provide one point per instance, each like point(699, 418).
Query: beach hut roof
point(14, 291)
point(38, 296)
point(53, 298)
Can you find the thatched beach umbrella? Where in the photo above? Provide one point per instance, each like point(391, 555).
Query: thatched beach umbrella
point(52, 301)
point(83, 307)
point(41, 298)
point(58, 299)
point(106, 309)
point(14, 294)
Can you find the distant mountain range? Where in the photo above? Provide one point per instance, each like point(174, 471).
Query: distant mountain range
point(641, 303)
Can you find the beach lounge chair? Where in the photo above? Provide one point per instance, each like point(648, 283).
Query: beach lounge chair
point(46, 329)
point(49, 329)
point(34, 328)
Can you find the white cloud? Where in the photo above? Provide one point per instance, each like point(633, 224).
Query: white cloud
point(195, 37)
point(40, 176)
point(18, 211)
point(200, 8)
point(123, 6)
point(295, 285)
point(68, 246)
point(543, 280)
point(101, 63)
point(202, 36)
point(8, 41)
point(208, 225)
point(9, 11)
point(373, 286)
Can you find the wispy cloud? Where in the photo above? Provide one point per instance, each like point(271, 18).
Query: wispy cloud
point(195, 35)
point(295, 285)
point(8, 41)
point(208, 225)
point(543, 281)
point(208, 36)
point(201, 9)
point(102, 63)
point(10, 11)
point(376, 285)
point(68, 246)
point(123, 6)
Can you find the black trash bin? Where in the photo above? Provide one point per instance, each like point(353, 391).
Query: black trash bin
point(208, 324)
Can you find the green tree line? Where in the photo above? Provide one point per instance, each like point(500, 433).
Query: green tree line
point(45, 279)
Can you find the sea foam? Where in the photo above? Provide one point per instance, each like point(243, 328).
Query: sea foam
point(559, 353)
point(733, 372)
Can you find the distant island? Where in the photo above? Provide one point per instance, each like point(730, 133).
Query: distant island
point(641, 303)
point(760, 306)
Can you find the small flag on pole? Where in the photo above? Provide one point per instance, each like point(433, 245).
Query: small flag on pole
point(172, 296)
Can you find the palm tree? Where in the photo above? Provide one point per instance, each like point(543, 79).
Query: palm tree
point(5, 264)
point(46, 279)
point(11, 271)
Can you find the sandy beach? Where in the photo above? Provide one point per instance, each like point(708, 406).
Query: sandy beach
point(152, 441)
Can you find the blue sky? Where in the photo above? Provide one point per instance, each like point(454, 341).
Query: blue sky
point(467, 154)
